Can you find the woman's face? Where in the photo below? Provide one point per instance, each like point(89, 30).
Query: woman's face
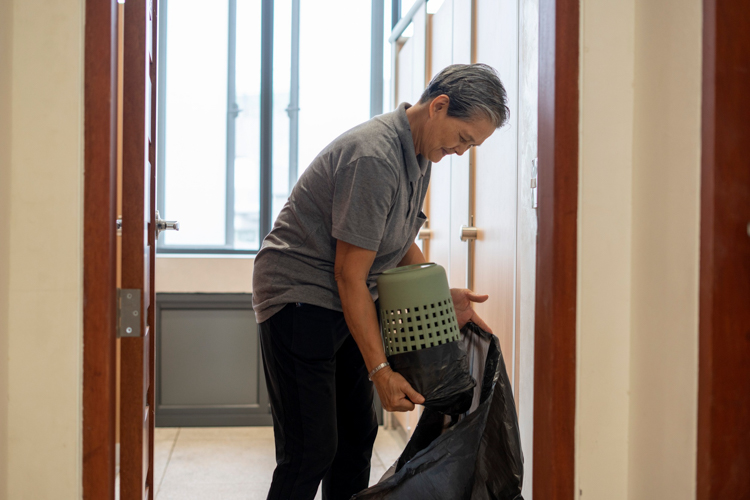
point(445, 135)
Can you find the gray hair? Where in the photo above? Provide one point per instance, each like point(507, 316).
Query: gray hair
point(473, 89)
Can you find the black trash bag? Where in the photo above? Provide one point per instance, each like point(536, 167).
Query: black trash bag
point(440, 374)
point(476, 456)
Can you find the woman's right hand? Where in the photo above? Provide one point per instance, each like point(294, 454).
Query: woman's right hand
point(396, 394)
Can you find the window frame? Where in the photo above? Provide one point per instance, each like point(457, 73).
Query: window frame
point(266, 117)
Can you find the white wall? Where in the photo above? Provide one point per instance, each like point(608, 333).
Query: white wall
point(638, 249)
point(666, 211)
point(604, 238)
point(6, 25)
point(204, 274)
point(45, 285)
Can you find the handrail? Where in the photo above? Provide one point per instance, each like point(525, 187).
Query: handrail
point(404, 21)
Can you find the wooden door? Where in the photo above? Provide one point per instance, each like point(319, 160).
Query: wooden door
point(138, 235)
point(99, 247)
point(724, 334)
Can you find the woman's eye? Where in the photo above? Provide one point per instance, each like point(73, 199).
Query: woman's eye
point(462, 139)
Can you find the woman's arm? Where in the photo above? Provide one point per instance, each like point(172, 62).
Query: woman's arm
point(413, 256)
point(351, 268)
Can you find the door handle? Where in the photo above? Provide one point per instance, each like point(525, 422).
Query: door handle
point(235, 110)
point(165, 225)
point(469, 234)
point(425, 233)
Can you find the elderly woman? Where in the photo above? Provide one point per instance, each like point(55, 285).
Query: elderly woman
point(354, 213)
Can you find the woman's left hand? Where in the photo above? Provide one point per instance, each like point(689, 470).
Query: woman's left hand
point(462, 299)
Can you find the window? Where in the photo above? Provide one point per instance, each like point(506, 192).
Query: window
point(249, 92)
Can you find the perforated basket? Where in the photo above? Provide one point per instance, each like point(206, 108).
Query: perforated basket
point(416, 309)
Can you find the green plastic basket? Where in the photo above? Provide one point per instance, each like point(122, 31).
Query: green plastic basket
point(416, 308)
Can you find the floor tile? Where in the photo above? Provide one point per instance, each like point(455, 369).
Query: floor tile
point(165, 433)
point(375, 474)
point(375, 460)
point(203, 462)
point(162, 451)
point(216, 491)
point(225, 433)
point(388, 446)
point(231, 463)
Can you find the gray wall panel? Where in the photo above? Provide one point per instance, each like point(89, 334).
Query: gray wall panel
point(209, 357)
point(209, 370)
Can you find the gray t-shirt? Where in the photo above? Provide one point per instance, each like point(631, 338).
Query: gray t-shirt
point(365, 188)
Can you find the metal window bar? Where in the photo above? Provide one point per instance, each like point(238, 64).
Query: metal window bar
point(233, 110)
point(266, 116)
point(376, 57)
point(161, 110)
point(401, 25)
point(293, 108)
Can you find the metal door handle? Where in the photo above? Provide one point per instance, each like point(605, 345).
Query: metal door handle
point(469, 233)
point(164, 225)
point(425, 233)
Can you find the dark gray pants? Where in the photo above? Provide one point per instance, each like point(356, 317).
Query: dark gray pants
point(322, 404)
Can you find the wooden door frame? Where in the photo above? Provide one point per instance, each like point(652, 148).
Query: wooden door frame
point(99, 249)
point(137, 268)
point(724, 338)
point(555, 308)
point(555, 341)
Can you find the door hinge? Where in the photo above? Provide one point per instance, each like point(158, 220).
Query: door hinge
point(129, 312)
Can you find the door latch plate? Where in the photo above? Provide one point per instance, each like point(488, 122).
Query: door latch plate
point(129, 312)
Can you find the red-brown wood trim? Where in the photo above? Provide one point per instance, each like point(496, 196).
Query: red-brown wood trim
point(723, 462)
point(555, 316)
point(99, 238)
point(134, 351)
point(151, 396)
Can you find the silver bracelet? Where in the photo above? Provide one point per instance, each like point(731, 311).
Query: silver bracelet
point(377, 369)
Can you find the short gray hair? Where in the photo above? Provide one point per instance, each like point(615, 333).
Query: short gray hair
point(474, 90)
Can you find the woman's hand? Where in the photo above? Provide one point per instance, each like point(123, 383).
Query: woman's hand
point(396, 394)
point(462, 299)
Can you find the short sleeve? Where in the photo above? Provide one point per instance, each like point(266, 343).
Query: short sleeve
point(363, 194)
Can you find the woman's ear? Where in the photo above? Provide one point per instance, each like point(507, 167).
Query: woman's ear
point(439, 105)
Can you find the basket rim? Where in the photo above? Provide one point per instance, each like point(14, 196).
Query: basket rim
point(410, 267)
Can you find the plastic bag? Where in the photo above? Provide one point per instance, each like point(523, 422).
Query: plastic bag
point(472, 456)
point(440, 374)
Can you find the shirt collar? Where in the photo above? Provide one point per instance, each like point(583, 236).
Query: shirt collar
point(416, 166)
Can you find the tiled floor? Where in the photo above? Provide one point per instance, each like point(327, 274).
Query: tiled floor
point(233, 463)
